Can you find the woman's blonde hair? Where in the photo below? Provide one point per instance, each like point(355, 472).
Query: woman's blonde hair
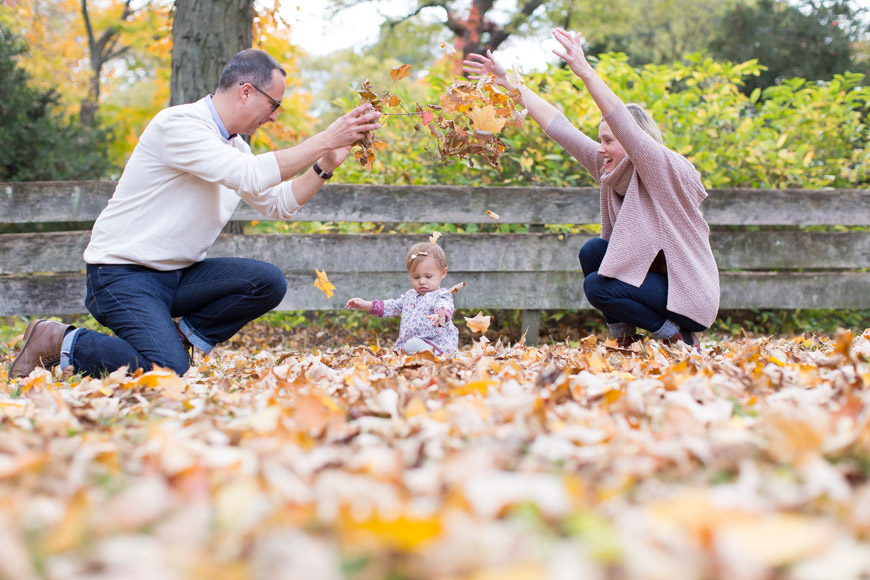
point(645, 121)
point(423, 250)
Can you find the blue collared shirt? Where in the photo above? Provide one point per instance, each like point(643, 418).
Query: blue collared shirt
point(217, 119)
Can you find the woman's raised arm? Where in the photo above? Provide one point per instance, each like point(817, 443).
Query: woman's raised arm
point(479, 65)
point(574, 56)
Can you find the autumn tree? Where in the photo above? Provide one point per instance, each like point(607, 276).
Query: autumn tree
point(474, 28)
point(36, 141)
point(814, 39)
point(205, 35)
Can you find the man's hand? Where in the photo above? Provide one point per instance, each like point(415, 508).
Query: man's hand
point(350, 127)
point(333, 159)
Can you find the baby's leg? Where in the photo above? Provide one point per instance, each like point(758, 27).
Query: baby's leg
point(416, 344)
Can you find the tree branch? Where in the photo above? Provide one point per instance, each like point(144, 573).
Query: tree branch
point(516, 21)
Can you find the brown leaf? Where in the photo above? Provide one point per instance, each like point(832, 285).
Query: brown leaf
point(400, 72)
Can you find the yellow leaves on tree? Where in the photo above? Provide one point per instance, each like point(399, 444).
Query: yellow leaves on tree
point(323, 284)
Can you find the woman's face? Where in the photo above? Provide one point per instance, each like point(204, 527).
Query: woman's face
point(609, 148)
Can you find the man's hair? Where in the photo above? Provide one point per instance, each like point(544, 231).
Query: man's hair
point(249, 66)
point(645, 121)
point(423, 250)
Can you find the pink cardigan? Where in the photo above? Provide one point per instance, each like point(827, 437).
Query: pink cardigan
point(650, 202)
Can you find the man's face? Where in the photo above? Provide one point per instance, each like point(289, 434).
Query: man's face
point(261, 104)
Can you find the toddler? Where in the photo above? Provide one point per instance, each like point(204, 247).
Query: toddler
point(426, 308)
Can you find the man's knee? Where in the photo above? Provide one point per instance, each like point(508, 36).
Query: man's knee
point(273, 284)
point(176, 361)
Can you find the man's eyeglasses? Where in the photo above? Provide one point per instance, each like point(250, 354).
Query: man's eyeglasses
point(275, 104)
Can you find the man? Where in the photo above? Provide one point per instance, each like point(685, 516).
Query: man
point(146, 261)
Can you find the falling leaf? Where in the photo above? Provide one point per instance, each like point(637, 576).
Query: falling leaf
point(456, 288)
point(485, 119)
point(492, 214)
point(448, 49)
point(323, 284)
point(433, 239)
point(479, 323)
point(400, 72)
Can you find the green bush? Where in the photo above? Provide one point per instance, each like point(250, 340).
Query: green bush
point(794, 135)
point(36, 142)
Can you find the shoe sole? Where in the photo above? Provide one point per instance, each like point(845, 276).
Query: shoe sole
point(28, 333)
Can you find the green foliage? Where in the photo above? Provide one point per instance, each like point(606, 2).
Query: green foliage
point(796, 134)
point(813, 43)
point(36, 142)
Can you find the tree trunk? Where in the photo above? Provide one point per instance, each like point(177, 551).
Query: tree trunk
point(205, 35)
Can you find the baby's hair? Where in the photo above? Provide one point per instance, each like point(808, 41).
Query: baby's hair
point(423, 250)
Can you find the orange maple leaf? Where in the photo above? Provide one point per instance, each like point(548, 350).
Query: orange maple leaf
point(323, 284)
point(485, 119)
point(400, 72)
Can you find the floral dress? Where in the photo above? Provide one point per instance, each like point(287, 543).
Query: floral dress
point(414, 308)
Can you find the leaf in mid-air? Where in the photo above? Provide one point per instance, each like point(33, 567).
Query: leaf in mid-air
point(479, 323)
point(485, 119)
point(400, 72)
point(323, 284)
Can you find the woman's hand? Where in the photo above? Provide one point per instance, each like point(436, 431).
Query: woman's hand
point(572, 52)
point(478, 66)
point(358, 304)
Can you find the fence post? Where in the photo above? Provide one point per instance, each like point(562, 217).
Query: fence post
point(531, 319)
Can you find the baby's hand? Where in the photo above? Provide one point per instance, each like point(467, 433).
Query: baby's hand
point(358, 304)
point(438, 319)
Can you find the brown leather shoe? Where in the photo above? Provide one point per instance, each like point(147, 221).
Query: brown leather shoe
point(42, 343)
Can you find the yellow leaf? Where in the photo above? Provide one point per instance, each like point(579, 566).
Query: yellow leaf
point(400, 72)
point(456, 288)
point(474, 387)
point(404, 532)
point(479, 323)
point(393, 101)
point(485, 119)
point(323, 284)
point(492, 214)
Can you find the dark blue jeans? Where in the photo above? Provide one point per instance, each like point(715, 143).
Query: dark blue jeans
point(645, 306)
point(214, 299)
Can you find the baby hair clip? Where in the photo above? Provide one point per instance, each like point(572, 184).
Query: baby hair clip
point(414, 255)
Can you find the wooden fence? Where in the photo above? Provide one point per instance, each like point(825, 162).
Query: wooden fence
point(769, 261)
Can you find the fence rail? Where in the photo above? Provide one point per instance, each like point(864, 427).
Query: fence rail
point(775, 265)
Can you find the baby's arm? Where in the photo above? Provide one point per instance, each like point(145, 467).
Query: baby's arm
point(442, 310)
point(359, 304)
point(379, 308)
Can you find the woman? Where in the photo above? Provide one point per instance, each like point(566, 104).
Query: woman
point(652, 267)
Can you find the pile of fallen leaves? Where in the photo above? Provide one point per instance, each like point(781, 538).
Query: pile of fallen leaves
point(748, 460)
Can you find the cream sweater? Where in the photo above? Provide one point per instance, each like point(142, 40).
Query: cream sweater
point(650, 202)
point(178, 190)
